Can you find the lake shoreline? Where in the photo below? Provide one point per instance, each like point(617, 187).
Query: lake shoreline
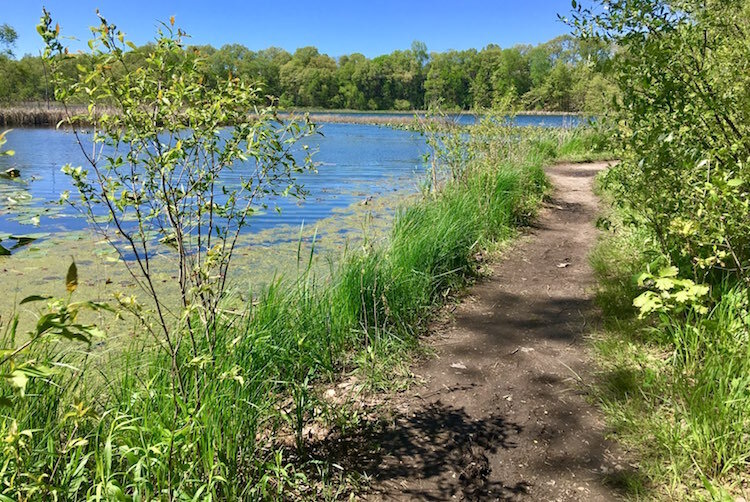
point(42, 115)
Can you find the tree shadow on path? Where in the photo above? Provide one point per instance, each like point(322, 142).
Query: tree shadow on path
point(437, 442)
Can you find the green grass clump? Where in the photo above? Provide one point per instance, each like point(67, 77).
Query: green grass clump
point(587, 144)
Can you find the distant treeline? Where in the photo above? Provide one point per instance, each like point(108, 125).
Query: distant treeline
point(564, 74)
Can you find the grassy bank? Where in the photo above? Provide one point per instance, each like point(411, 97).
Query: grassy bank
point(268, 395)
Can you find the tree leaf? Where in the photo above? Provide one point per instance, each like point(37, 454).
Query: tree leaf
point(671, 271)
point(18, 379)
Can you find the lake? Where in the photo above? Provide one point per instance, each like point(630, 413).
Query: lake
point(355, 162)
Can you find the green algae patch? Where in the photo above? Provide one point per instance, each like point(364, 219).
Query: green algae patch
point(38, 267)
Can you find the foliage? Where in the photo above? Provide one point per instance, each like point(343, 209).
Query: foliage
point(2, 142)
point(668, 293)
point(563, 74)
point(673, 386)
point(36, 375)
point(158, 159)
point(684, 115)
point(674, 382)
point(8, 37)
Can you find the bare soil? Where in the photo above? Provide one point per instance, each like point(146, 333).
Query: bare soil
point(502, 413)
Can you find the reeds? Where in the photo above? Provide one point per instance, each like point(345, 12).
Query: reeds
point(53, 114)
point(36, 115)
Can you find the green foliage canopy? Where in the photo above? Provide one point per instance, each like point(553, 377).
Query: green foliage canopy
point(684, 75)
point(563, 74)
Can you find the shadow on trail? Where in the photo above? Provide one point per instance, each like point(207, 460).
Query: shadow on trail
point(436, 442)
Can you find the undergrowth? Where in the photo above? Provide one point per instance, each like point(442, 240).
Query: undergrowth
point(675, 387)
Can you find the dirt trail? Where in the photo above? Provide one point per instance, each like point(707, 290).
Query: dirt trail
point(502, 415)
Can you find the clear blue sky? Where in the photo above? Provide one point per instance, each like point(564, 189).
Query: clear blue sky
point(337, 27)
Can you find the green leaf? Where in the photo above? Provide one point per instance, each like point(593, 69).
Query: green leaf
point(19, 380)
point(71, 279)
point(664, 283)
point(74, 335)
point(643, 278)
point(669, 272)
point(734, 182)
point(34, 298)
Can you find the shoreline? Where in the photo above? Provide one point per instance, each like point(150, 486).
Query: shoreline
point(316, 111)
point(40, 115)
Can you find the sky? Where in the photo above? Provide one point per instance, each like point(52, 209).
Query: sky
point(336, 27)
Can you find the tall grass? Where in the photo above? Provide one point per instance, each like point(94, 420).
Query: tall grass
point(34, 115)
point(42, 115)
point(120, 430)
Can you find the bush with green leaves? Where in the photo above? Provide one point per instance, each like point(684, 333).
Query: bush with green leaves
point(154, 176)
point(675, 381)
point(683, 68)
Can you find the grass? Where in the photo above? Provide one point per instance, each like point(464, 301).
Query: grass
point(115, 428)
point(41, 115)
point(675, 388)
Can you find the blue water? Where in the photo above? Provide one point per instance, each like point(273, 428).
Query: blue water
point(355, 161)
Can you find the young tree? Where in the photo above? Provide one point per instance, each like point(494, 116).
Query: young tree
point(163, 143)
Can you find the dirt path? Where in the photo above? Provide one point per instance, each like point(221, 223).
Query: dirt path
point(502, 415)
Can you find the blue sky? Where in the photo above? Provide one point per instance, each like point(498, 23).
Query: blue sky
point(372, 27)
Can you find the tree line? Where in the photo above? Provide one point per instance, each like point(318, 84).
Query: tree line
point(564, 74)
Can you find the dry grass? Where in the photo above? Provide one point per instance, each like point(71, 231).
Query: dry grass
point(42, 115)
point(36, 115)
point(50, 115)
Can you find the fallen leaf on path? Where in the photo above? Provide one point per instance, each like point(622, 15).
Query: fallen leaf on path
point(458, 366)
